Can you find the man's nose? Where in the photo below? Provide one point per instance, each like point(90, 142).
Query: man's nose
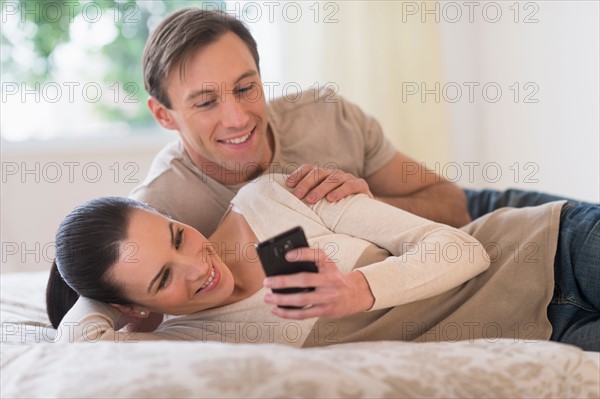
point(234, 114)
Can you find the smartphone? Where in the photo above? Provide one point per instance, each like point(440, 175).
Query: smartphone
point(272, 256)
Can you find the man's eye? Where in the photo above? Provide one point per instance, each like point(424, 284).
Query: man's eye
point(245, 88)
point(178, 238)
point(205, 104)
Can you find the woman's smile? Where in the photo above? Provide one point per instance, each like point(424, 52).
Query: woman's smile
point(212, 282)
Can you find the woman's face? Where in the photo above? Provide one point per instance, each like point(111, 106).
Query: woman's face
point(169, 267)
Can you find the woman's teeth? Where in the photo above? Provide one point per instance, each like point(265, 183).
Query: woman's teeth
point(210, 280)
point(239, 140)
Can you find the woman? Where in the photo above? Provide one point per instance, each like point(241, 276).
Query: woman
point(383, 274)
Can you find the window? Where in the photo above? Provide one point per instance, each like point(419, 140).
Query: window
point(72, 69)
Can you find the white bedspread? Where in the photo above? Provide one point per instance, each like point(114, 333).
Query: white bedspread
point(32, 366)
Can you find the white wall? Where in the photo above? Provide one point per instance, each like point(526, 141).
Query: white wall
point(365, 51)
point(43, 182)
point(375, 49)
point(554, 141)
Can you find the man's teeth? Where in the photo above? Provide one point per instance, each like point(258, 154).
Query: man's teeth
point(239, 140)
point(210, 280)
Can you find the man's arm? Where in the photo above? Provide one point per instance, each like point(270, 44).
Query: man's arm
point(402, 182)
point(406, 184)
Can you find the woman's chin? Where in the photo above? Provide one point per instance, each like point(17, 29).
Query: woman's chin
point(221, 296)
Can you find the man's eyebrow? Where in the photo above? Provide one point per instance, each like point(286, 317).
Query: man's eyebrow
point(162, 269)
point(209, 88)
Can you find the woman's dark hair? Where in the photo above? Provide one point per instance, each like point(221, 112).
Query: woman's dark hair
point(179, 35)
point(88, 243)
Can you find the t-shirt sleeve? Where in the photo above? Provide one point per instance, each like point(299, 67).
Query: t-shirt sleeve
point(378, 150)
point(427, 259)
point(154, 199)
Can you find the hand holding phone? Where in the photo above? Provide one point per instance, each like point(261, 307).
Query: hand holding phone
point(272, 256)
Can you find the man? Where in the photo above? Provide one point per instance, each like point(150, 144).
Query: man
point(201, 69)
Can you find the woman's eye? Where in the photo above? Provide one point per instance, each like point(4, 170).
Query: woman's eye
point(164, 279)
point(178, 238)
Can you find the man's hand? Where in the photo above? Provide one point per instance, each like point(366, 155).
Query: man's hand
point(311, 183)
point(336, 295)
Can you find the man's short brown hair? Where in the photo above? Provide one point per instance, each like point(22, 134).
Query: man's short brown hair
point(178, 36)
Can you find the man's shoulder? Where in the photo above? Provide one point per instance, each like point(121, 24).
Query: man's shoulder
point(168, 158)
point(308, 100)
point(321, 106)
point(168, 173)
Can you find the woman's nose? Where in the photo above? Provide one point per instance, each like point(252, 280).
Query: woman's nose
point(195, 269)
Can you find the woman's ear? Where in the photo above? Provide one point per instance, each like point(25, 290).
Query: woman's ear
point(130, 311)
point(162, 114)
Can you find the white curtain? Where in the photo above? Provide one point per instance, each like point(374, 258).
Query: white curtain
point(365, 50)
point(379, 52)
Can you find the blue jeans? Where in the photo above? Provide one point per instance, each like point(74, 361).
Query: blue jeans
point(574, 310)
point(575, 307)
point(481, 202)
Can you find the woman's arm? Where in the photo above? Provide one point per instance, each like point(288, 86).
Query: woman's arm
point(428, 258)
point(92, 321)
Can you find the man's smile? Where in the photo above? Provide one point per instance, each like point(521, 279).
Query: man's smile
point(239, 140)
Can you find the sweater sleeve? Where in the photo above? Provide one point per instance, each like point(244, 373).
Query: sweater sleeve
point(427, 259)
point(92, 321)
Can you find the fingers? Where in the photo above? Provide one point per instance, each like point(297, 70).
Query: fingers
point(308, 304)
point(301, 173)
point(307, 177)
point(298, 314)
point(306, 254)
point(298, 280)
point(313, 184)
point(305, 279)
point(321, 302)
point(300, 299)
point(351, 186)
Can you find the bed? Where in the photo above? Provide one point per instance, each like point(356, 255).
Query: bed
point(33, 366)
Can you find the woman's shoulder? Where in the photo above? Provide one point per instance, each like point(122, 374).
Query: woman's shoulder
point(270, 208)
point(268, 186)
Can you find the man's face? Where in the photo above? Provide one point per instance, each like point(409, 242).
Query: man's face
point(219, 110)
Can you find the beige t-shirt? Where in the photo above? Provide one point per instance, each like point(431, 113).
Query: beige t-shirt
point(320, 129)
point(431, 282)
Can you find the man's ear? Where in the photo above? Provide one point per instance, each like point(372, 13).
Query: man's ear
point(130, 311)
point(162, 114)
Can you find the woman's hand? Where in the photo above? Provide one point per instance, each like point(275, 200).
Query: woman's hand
point(336, 295)
point(314, 183)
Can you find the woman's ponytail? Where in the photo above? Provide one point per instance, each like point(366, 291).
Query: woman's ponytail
point(59, 297)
